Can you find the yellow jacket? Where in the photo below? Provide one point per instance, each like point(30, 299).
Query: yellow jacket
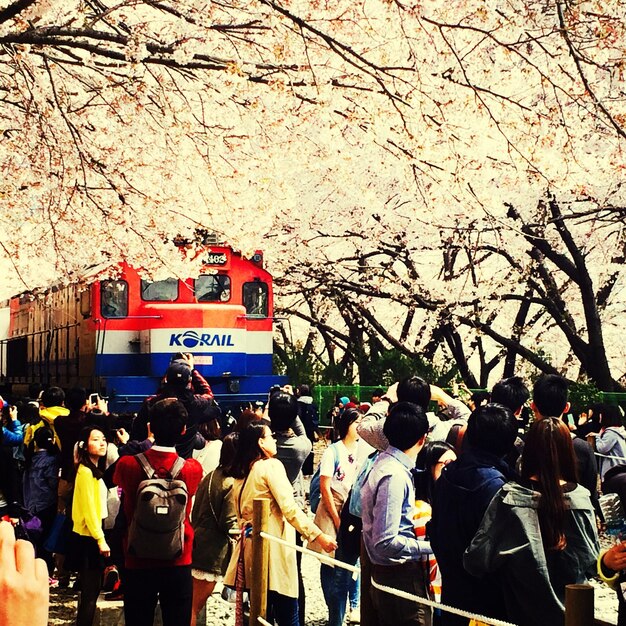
point(48, 415)
point(87, 505)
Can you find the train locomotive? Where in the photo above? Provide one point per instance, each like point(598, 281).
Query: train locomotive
point(117, 336)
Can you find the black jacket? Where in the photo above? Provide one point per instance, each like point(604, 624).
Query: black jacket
point(461, 497)
point(200, 405)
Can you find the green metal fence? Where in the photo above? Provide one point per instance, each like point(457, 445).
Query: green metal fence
point(612, 397)
point(326, 396)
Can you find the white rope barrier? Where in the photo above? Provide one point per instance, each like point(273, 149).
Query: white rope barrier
point(437, 605)
point(391, 590)
point(321, 557)
point(607, 456)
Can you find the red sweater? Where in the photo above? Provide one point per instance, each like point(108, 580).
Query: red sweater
point(128, 474)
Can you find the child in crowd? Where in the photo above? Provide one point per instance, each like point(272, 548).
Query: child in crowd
point(41, 480)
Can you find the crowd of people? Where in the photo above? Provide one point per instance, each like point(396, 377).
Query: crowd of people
point(491, 507)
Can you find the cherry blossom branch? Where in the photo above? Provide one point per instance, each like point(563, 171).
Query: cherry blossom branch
point(576, 57)
point(14, 9)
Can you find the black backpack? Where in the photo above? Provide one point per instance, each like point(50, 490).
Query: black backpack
point(157, 530)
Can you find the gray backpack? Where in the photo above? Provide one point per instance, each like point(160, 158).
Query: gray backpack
point(157, 530)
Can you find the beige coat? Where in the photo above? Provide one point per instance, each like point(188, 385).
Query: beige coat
point(268, 479)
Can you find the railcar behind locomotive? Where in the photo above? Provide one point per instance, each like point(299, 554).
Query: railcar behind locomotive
point(116, 336)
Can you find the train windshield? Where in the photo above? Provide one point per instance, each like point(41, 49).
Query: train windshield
point(212, 288)
point(114, 298)
point(255, 298)
point(160, 290)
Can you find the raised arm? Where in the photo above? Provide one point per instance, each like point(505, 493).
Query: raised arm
point(370, 428)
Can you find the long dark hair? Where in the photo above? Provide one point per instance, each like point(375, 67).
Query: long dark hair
point(210, 430)
point(610, 416)
point(548, 458)
point(228, 451)
point(426, 460)
point(82, 452)
point(248, 449)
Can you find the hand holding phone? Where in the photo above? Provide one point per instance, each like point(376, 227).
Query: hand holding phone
point(122, 435)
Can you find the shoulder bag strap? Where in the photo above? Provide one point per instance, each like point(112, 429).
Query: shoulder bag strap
point(177, 467)
point(245, 480)
point(209, 496)
point(142, 459)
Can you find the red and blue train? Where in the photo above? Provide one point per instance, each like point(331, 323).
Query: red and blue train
point(117, 336)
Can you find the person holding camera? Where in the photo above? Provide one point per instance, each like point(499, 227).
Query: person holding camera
point(12, 428)
point(68, 429)
point(185, 383)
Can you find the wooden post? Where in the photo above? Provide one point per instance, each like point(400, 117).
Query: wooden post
point(369, 616)
point(579, 605)
point(260, 560)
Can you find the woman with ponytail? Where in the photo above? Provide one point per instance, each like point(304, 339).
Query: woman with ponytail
point(538, 535)
point(88, 547)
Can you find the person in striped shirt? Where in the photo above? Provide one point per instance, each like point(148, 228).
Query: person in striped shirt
point(433, 457)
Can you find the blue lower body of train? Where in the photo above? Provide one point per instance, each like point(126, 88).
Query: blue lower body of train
point(235, 379)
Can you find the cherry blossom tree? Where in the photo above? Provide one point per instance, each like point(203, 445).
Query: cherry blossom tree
point(441, 177)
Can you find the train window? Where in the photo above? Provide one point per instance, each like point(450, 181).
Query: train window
point(160, 290)
point(85, 302)
point(114, 298)
point(255, 298)
point(212, 288)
